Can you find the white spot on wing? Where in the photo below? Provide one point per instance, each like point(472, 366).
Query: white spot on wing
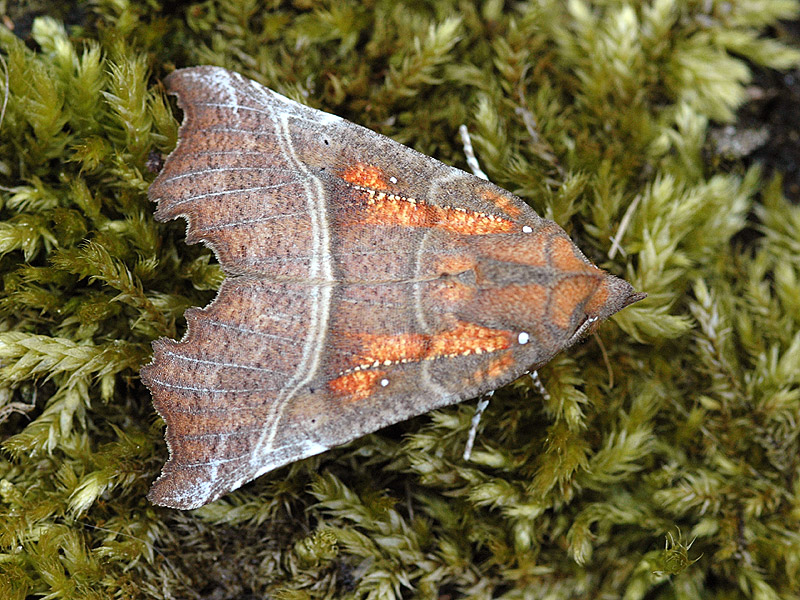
point(524, 337)
point(527, 229)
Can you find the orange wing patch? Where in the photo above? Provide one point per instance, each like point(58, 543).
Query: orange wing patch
point(500, 365)
point(368, 176)
point(502, 202)
point(452, 264)
point(383, 208)
point(598, 300)
point(563, 257)
point(452, 293)
point(567, 295)
point(467, 338)
point(464, 339)
point(530, 250)
point(389, 209)
point(357, 385)
point(532, 296)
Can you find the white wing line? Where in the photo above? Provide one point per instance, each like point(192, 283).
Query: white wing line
point(213, 170)
point(218, 363)
point(321, 267)
point(190, 388)
point(290, 259)
point(296, 114)
point(218, 434)
point(419, 313)
point(251, 221)
point(247, 330)
point(234, 191)
point(233, 106)
point(227, 152)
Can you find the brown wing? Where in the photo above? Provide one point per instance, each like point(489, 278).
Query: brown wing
point(260, 178)
point(362, 290)
point(260, 380)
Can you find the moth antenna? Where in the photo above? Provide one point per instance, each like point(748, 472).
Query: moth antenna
point(476, 419)
point(470, 153)
point(537, 383)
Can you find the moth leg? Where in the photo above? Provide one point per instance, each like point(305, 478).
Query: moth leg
point(472, 160)
point(476, 419)
point(483, 403)
point(537, 383)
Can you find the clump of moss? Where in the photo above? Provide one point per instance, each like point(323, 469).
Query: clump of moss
point(667, 468)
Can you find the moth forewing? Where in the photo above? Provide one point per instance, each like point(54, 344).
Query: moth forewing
point(366, 283)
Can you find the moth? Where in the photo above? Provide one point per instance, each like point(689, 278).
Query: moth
point(365, 284)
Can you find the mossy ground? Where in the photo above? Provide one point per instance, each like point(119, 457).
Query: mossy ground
point(668, 469)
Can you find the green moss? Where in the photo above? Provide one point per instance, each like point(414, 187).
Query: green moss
point(668, 470)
